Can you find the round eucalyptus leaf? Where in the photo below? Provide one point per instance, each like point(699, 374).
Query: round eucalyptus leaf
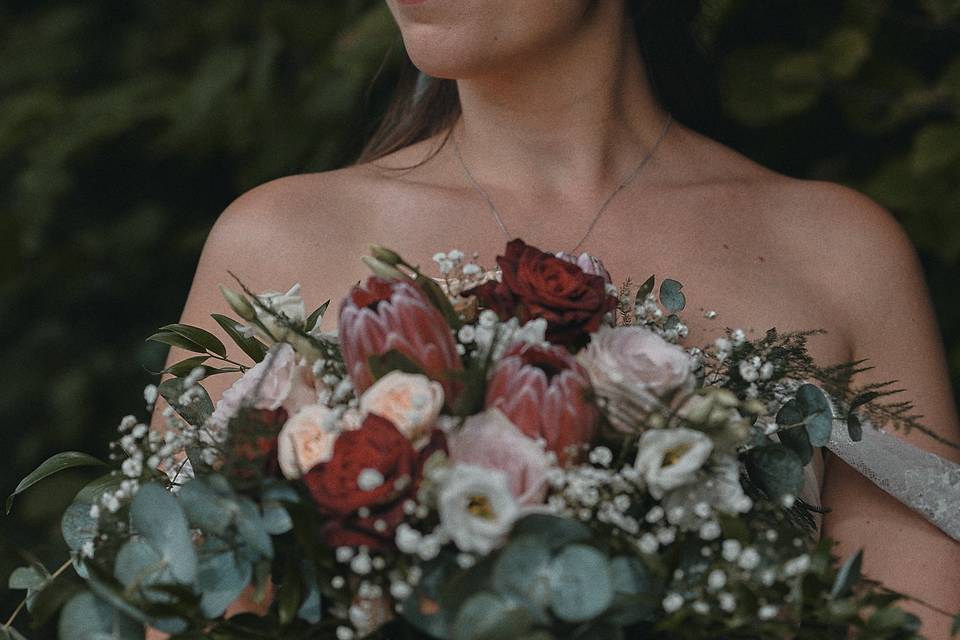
point(583, 585)
point(487, 616)
point(554, 531)
point(86, 617)
point(221, 578)
point(798, 441)
point(158, 517)
point(77, 526)
point(424, 608)
point(276, 520)
point(671, 296)
point(251, 527)
point(637, 591)
point(816, 410)
point(205, 508)
point(776, 470)
point(523, 570)
point(138, 563)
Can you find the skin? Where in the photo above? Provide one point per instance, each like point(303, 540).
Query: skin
point(556, 110)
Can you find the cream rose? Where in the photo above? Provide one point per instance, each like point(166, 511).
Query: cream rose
point(671, 458)
point(412, 402)
point(306, 440)
point(289, 305)
point(633, 371)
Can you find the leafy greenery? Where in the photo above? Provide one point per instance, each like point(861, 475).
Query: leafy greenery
point(127, 126)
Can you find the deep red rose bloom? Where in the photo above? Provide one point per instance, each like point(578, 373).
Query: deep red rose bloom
point(545, 392)
point(368, 515)
point(392, 315)
point(536, 284)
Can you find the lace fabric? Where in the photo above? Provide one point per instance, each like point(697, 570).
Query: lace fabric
point(921, 480)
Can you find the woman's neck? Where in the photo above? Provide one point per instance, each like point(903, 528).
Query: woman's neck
point(570, 120)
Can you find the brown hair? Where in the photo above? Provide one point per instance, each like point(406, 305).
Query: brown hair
point(677, 67)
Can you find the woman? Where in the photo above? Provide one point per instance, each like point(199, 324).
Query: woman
point(547, 110)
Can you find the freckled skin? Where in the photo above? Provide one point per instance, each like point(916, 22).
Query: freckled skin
point(556, 110)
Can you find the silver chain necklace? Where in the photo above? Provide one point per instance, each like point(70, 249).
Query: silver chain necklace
point(593, 223)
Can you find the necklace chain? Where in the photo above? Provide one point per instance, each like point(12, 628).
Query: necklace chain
point(593, 223)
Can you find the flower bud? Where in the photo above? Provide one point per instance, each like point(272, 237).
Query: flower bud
point(239, 303)
point(383, 269)
point(385, 255)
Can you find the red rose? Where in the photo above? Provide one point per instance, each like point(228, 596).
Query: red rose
point(362, 488)
point(536, 284)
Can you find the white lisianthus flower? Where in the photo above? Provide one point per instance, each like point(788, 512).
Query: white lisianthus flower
point(671, 458)
point(289, 305)
point(307, 440)
point(476, 507)
point(412, 402)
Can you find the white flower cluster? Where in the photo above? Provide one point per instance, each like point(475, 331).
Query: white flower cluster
point(490, 333)
point(649, 314)
point(460, 274)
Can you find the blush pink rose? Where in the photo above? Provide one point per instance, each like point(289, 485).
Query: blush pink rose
point(279, 381)
point(491, 441)
point(307, 439)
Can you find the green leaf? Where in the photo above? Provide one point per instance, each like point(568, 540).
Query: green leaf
point(955, 627)
point(158, 517)
point(207, 509)
point(671, 296)
point(854, 428)
point(276, 519)
point(314, 318)
point(422, 608)
point(198, 336)
point(759, 85)
point(582, 586)
point(50, 466)
point(77, 526)
point(255, 349)
point(431, 289)
point(645, 289)
point(637, 591)
point(87, 617)
point(817, 413)
point(487, 616)
point(185, 367)
point(288, 600)
point(198, 406)
point(848, 575)
point(92, 491)
point(252, 528)
point(310, 609)
point(175, 340)
point(776, 470)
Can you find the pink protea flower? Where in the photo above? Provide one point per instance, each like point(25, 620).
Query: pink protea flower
point(544, 392)
point(390, 315)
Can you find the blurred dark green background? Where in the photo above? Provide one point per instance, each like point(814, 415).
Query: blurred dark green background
point(127, 126)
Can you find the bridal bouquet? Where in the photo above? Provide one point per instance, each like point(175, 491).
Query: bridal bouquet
point(520, 453)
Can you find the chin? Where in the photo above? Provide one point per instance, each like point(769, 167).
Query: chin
point(458, 39)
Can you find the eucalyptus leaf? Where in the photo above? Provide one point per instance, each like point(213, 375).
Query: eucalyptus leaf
point(817, 413)
point(487, 616)
point(51, 466)
point(139, 565)
point(221, 578)
point(310, 610)
point(776, 470)
point(522, 571)
point(276, 519)
point(252, 528)
point(555, 532)
point(158, 517)
point(205, 508)
point(671, 296)
point(87, 617)
point(198, 336)
point(255, 349)
point(854, 427)
point(582, 586)
point(423, 607)
point(77, 526)
point(637, 592)
point(27, 578)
